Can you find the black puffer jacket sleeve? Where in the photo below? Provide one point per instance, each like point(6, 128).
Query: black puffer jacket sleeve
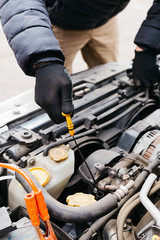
point(149, 33)
point(29, 33)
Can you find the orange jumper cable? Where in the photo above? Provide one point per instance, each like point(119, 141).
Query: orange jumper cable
point(36, 206)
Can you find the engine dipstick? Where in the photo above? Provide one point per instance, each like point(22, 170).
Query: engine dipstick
point(70, 126)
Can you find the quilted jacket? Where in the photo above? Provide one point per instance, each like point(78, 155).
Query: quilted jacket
point(27, 25)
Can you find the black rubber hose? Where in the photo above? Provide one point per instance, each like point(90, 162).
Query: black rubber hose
point(66, 140)
point(106, 106)
point(58, 131)
point(66, 213)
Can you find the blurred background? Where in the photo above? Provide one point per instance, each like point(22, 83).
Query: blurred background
point(13, 81)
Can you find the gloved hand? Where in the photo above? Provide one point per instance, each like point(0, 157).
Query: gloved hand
point(145, 70)
point(53, 90)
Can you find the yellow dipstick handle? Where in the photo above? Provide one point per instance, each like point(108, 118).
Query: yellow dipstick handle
point(70, 125)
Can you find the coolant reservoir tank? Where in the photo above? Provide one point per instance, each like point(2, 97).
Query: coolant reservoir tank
point(53, 172)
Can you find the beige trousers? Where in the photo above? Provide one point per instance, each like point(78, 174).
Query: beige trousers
point(98, 46)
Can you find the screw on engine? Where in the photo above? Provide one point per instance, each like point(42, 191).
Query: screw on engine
point(121, 152)
point(26, 134)
point(32, 161)
point(112, 173)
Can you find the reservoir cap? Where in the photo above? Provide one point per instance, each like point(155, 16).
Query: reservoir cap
point(58, 154)
point(80, 199)
point(41, 174)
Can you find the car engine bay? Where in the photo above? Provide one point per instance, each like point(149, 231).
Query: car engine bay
point(103, 184)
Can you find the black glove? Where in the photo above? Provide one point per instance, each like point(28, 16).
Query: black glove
point(145, 70)
point(53, 91)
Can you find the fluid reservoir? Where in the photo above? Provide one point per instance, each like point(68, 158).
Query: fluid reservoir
point(53, 172)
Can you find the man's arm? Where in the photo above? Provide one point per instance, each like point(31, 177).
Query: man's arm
point(149, 32)
point(145, 69)
point(29, 33)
